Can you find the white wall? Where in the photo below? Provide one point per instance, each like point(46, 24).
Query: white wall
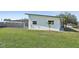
point(42, 22)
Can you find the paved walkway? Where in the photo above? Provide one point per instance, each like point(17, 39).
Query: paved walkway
point(73, 28)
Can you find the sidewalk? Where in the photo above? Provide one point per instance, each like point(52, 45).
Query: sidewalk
point(73, 28)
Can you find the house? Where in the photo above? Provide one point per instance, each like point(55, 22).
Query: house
point(44, 22)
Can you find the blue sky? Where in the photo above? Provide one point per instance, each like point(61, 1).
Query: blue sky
point(20, 14)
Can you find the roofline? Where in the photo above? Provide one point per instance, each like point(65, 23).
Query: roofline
point(42, 15)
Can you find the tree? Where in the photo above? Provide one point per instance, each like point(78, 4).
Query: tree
point(7, 19)
point(68, 18)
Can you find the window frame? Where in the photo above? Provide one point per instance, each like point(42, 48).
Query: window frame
point(34, 22)
point(51, 22)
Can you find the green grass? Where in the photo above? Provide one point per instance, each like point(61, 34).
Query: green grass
point(18, 38)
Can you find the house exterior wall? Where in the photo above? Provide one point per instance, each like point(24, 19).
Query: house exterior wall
point(42, 23)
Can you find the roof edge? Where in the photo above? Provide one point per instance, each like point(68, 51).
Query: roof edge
point(41, 15)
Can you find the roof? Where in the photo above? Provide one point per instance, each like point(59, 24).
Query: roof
point(41, 15)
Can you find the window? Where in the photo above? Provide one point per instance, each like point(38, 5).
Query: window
point(50, 22)
point(34, 22)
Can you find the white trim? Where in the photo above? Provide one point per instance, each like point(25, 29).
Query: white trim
point(29, 24)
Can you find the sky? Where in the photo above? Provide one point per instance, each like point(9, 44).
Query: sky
point(21, 14)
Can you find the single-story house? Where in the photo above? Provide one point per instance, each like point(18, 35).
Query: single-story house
point(36, 22)
point(45, 22)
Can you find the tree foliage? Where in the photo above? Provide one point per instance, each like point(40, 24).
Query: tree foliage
point(68, 18)
point(7, 19)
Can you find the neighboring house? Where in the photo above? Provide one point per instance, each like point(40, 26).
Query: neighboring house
point(41, 22)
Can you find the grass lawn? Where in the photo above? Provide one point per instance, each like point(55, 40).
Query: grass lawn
point(18, 38)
